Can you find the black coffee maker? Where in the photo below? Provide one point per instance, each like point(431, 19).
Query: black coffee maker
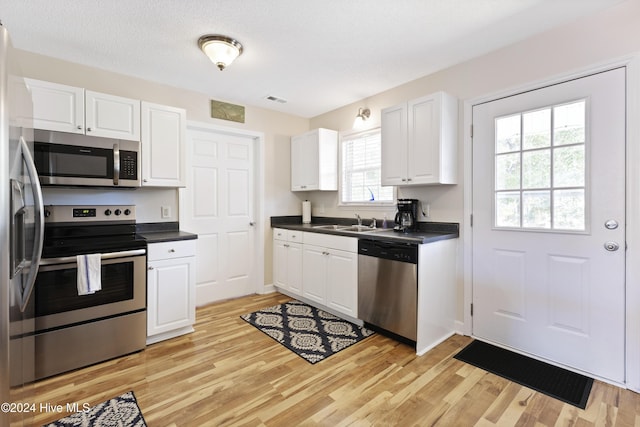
point(407, 216)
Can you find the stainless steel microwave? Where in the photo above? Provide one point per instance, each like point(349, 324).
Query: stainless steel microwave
point(65, 159)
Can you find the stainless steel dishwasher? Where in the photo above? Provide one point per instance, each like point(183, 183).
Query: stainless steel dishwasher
point(388, 287)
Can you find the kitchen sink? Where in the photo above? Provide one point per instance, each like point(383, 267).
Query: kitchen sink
point(351, 228)
point(360, 228)
point(330, 227)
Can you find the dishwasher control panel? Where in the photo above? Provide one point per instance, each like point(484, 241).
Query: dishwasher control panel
point(395, 251)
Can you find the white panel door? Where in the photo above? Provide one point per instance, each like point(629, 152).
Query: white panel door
point(218, 205)
point(549, 223)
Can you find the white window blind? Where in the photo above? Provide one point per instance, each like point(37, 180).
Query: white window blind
point(360, 164)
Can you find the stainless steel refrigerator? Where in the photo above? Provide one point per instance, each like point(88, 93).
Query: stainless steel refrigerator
point(21, 234)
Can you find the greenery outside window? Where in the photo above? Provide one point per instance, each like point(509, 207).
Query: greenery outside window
point(360, 170)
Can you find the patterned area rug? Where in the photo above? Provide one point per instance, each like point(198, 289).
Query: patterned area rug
point(311, 333)
point(121, 411)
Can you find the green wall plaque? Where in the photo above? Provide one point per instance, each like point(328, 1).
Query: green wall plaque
point(226, 111)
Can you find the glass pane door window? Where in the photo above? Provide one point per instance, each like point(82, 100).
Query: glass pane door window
point(540, 169)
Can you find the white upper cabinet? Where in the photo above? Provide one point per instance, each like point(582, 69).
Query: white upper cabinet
point(419, 141)
point(57, 107)
point(71, 109)
point(314, 161)
point(163, 145)
point(111, 116)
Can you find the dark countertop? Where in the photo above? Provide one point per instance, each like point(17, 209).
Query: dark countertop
point(157, 232)
point(428, 232)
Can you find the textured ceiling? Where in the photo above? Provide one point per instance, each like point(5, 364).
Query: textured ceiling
point(318, 55)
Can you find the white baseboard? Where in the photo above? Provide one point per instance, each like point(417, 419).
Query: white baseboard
point(267, 289)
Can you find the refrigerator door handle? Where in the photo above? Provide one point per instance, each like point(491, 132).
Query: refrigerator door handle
point(39, 224)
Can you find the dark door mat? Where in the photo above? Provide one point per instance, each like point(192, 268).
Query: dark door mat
point(551, 380)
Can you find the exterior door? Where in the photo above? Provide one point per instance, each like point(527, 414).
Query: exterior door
point(218, 205)
point(549, 223)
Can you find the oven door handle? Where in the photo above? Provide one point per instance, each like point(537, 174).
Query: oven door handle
point(111, 255)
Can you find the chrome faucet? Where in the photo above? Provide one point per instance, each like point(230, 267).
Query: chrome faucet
point(359, 220)
point(373, 223)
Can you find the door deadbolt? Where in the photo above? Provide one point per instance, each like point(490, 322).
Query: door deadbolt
point(611, 224)
point(611, 246)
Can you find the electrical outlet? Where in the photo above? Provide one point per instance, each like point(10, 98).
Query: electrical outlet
point(166, 211)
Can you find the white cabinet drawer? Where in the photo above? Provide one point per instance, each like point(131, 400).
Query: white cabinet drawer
point(349, 244)
point(287, 235)
point(294, 236)
point(279, 234)
point(174, 249)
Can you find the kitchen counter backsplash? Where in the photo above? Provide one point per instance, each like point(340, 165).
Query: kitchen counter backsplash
point(155, 232)
point(427, 231)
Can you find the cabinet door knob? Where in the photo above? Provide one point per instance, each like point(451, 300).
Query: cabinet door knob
point(172, 250)
point(79, 127)
point(88, 129)
point(150, 268)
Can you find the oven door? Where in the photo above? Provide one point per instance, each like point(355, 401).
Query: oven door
point(56, 299)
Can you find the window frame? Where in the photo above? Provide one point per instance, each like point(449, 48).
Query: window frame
point(347, 135)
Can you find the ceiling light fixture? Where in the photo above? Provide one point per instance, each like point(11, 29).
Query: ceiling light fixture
point(221, 50)
point(363, 115)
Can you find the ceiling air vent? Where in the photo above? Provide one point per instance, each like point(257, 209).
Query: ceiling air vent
point(276, 99)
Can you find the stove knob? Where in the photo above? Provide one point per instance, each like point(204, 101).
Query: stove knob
point(107, 212)
point(47, 213)
point(118, 212)
point(127, 211)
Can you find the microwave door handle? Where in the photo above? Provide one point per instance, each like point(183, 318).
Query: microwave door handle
point(116, 164)
point(39, 224)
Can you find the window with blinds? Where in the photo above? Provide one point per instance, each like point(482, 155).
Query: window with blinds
point(360, 170)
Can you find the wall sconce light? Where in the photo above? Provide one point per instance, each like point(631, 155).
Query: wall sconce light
point(363, 115)
point(221, 50)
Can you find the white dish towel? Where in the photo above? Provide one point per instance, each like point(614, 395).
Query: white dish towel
point(89, 269)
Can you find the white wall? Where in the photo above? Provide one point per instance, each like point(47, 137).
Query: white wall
point(591, 40)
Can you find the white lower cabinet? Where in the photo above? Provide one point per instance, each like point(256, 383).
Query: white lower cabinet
point(330, 277)
point(322, 270)
point(287, 261)
point(171, 308)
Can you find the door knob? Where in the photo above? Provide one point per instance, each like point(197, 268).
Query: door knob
point(611, 224)
point(611, 246)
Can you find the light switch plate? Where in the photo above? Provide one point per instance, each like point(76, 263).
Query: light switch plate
point(166, 211)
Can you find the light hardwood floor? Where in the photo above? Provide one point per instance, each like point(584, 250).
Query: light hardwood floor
point(229, 373)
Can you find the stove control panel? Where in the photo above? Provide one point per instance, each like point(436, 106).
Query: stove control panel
point(111, 213)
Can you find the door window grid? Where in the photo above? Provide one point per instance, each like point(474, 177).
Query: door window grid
point(540, 164)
